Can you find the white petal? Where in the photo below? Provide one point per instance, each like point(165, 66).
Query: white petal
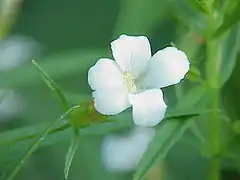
point(105, 74)
point(122, 153)
point(110, 102)
point(166, 67)
point(148, 107)
point(131, 53)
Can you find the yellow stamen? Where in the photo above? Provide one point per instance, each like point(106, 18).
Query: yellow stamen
point(129, 82)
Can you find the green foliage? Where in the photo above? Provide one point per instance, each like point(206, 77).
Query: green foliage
point(69, 63)
point(167, 134)
point(193, 96)
point(229, 54)
point(187, 15)
point(71, 152)
point(231, 17)
point(202, 118)
point(53, 86)
point(35, 145)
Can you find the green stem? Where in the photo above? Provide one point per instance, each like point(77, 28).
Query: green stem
point(214, 126)
point(195, 130)
point(71, 152)
point(34, 135)
point(214, 141)
point(213, 82)
point(212, 75)
point(214, 170)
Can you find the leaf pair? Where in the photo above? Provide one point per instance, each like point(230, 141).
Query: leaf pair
point(62, 99)
point(171, 129)
point(168, 133)
point(35, 145)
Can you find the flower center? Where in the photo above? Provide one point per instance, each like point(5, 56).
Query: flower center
point(129, 82)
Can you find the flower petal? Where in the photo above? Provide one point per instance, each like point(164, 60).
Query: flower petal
point(148, 107)
point(105, 74)
point(123, 153)
point(166, 67)
point(131, 53)
point(110, 102)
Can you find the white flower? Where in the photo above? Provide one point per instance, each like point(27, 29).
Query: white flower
point(135, 78)
point(123, 153)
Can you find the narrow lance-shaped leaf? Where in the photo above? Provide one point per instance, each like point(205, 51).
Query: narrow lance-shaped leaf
point(28, 133)
point(112, 124)
point(188, 16)
point(229, 50)
point(42, 136)
point(192, 97)
point(231, 17)
point(27, 74)
point(170, 130)
point(71, 152)
point(167, 134)
point(53, 86)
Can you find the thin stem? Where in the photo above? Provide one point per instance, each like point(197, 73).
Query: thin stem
point(214, 170)
point(214, 126)
point(34, 135)
point(195, 130)
point(213, 82)
point(71, 152)
point(214, 141)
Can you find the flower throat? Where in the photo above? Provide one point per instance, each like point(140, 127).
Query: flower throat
point(129, 82)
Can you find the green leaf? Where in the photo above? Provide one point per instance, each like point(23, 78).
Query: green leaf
point(234, 147)
point(35, 145)
point(230, 93)
point(26, 133)
point(68, 63)
point(31, 132)
point(188, 16)
point(224, 50)
point(192, 97)
point(17, 141)
point(114, 123)
point(71, 152)
point(184, 112)
point(194, 75)
point(13, 147)
point(229, 50)
point(231, 17)
point(53, 86)
point(167, 134)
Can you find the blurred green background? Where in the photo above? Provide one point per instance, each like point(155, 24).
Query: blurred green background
point(67, 37)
